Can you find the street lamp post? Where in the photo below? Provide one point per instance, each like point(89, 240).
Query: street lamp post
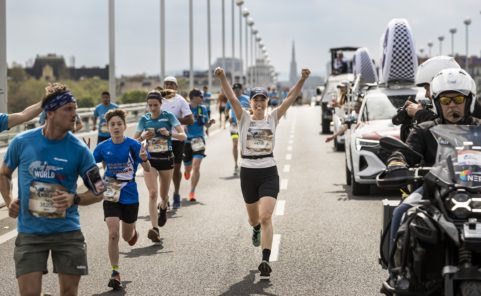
point(441, 39)
point(430, 45)
point(191, 45)
point(467, 22)
point(162, 41)
point(253, 59)
point(246, 13)
point(112, 84)
point(209, 45)
point(223, 36)
point(3, 56)
point(233, 42)
point(421, 52)
point(452, 31)
point(256, 68)
point(240, 3)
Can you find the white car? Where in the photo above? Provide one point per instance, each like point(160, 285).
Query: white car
point(364, 159)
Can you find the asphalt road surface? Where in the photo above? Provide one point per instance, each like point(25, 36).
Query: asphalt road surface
point(325, 242)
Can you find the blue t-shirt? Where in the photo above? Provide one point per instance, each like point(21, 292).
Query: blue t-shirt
point(121, 162)
point(3, 122)
point(206, 97)
point(58, 162)
point(99, 112)
point(41, 119)
point(200, 119)
point(245, 104)
point(165, 120)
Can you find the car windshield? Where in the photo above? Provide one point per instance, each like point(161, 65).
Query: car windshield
point(458, 157)
point(380, 106)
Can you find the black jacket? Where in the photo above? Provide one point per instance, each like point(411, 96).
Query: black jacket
point(422, 141)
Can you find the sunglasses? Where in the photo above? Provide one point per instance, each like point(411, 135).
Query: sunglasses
point(456, 99)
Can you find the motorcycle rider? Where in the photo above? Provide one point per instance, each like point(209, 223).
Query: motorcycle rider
point(453, 95)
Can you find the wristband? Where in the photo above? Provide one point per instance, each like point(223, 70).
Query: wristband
point(76, 199)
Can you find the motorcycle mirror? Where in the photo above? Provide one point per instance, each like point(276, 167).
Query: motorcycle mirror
point(392, 144)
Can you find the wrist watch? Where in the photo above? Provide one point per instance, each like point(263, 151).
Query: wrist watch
point(76, 199)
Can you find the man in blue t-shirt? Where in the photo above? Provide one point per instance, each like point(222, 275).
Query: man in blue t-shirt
point(234, 132)
point(207, 96)
point(99, 112)
point(47, 206)
point(7, 121)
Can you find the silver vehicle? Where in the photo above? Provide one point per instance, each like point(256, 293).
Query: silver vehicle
point(364, 159)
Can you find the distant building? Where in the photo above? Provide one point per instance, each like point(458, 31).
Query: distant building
point(52, 67)
point(230, 65)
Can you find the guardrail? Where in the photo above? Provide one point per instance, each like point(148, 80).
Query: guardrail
point(134, 111)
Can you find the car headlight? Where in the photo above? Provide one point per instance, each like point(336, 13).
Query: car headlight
point(366, 143)
point(462, 205)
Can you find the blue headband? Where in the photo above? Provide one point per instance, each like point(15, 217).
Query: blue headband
point(58, 101)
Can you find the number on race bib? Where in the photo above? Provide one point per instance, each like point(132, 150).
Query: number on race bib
point(197, 144)
point(157, 145)
point(40, 203)
point(113, 188)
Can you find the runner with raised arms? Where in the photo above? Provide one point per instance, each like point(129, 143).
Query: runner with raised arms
point(156, 127)
point(258, 174)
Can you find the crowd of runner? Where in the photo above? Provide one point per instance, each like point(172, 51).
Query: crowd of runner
point(49, 159)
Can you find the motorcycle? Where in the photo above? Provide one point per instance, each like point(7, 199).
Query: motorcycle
point(437, 249)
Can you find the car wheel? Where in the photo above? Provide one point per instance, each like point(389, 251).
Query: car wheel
point(358, 188)
point(348, 175)
point(338, 146)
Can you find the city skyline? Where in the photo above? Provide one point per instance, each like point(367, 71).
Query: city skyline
point(82, 28)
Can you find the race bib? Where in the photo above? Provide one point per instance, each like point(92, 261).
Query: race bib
point(259, 140)
point(158, 145)
point(103, 128)
point(113, 188)
point(40, 203)
point(197, 144)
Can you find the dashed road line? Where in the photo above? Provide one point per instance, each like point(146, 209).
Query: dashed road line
point(280, 207)
point(284, 183)
point(8, 236)
point(289, 148)
point(287, 168)
point(288, 156)
point(276, 241)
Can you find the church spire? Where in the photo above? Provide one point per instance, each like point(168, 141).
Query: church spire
point(293, 72)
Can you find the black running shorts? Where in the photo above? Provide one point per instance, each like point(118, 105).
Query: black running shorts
point(189, 154)
point(256, 183)
point(162, 161)
point(178, 149)
point(127, 213)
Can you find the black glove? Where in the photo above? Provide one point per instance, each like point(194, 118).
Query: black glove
point(396, 169)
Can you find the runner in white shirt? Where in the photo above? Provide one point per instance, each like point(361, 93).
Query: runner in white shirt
point(259, 177)
point(180, 108)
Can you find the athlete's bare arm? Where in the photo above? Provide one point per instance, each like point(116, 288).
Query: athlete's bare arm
point(293, 93)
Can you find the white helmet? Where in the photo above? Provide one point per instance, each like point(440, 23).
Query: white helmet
point(456, 80)
point(432, 66)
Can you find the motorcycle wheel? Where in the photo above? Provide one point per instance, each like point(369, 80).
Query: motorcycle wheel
point(469, 288)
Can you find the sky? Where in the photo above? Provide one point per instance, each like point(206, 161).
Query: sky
point(80, 29)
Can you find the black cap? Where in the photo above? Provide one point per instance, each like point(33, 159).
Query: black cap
point(258, 91)
point(237, 85)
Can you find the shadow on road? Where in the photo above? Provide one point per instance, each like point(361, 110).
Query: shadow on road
point(146, 251)
point(187, 203)
point(229, 178)
point(344, 193)
point(116, 293)
point(248, 286)
point(171, 214)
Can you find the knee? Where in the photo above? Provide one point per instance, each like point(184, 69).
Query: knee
point(265, 219)
point(70, 290)
point(114, 236)
point(153, 194)
point(30, 290)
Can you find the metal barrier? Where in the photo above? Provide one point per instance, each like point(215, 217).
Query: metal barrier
point(134, 111)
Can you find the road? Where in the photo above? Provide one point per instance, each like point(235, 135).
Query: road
point(326, 241)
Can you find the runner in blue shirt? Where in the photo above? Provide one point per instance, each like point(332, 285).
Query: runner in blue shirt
point(195, 145)
point(49, 161)
point(121, 156)
point(99, 112)
point(234, 131)
point(156, 127)
point(7, 121)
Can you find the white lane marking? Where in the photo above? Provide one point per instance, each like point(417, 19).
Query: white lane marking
point(291, 136)
point(287, 168)
point(289, 148)
point(211, 134)
point(291, 141)
point(7, 236)
point(276, 241)
point(284, 183)
point(288, 156)
point(280, 206)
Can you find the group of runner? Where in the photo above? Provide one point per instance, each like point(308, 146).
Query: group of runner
point(171, 132)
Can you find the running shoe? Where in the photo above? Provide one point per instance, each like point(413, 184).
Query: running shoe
point(186, 175)
point(153, 235)
point(192, 197)
point(114, 281)
point(162, 217)
point(265, 270)
point(176, 201)
point(256, 237)
point(134, 238)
